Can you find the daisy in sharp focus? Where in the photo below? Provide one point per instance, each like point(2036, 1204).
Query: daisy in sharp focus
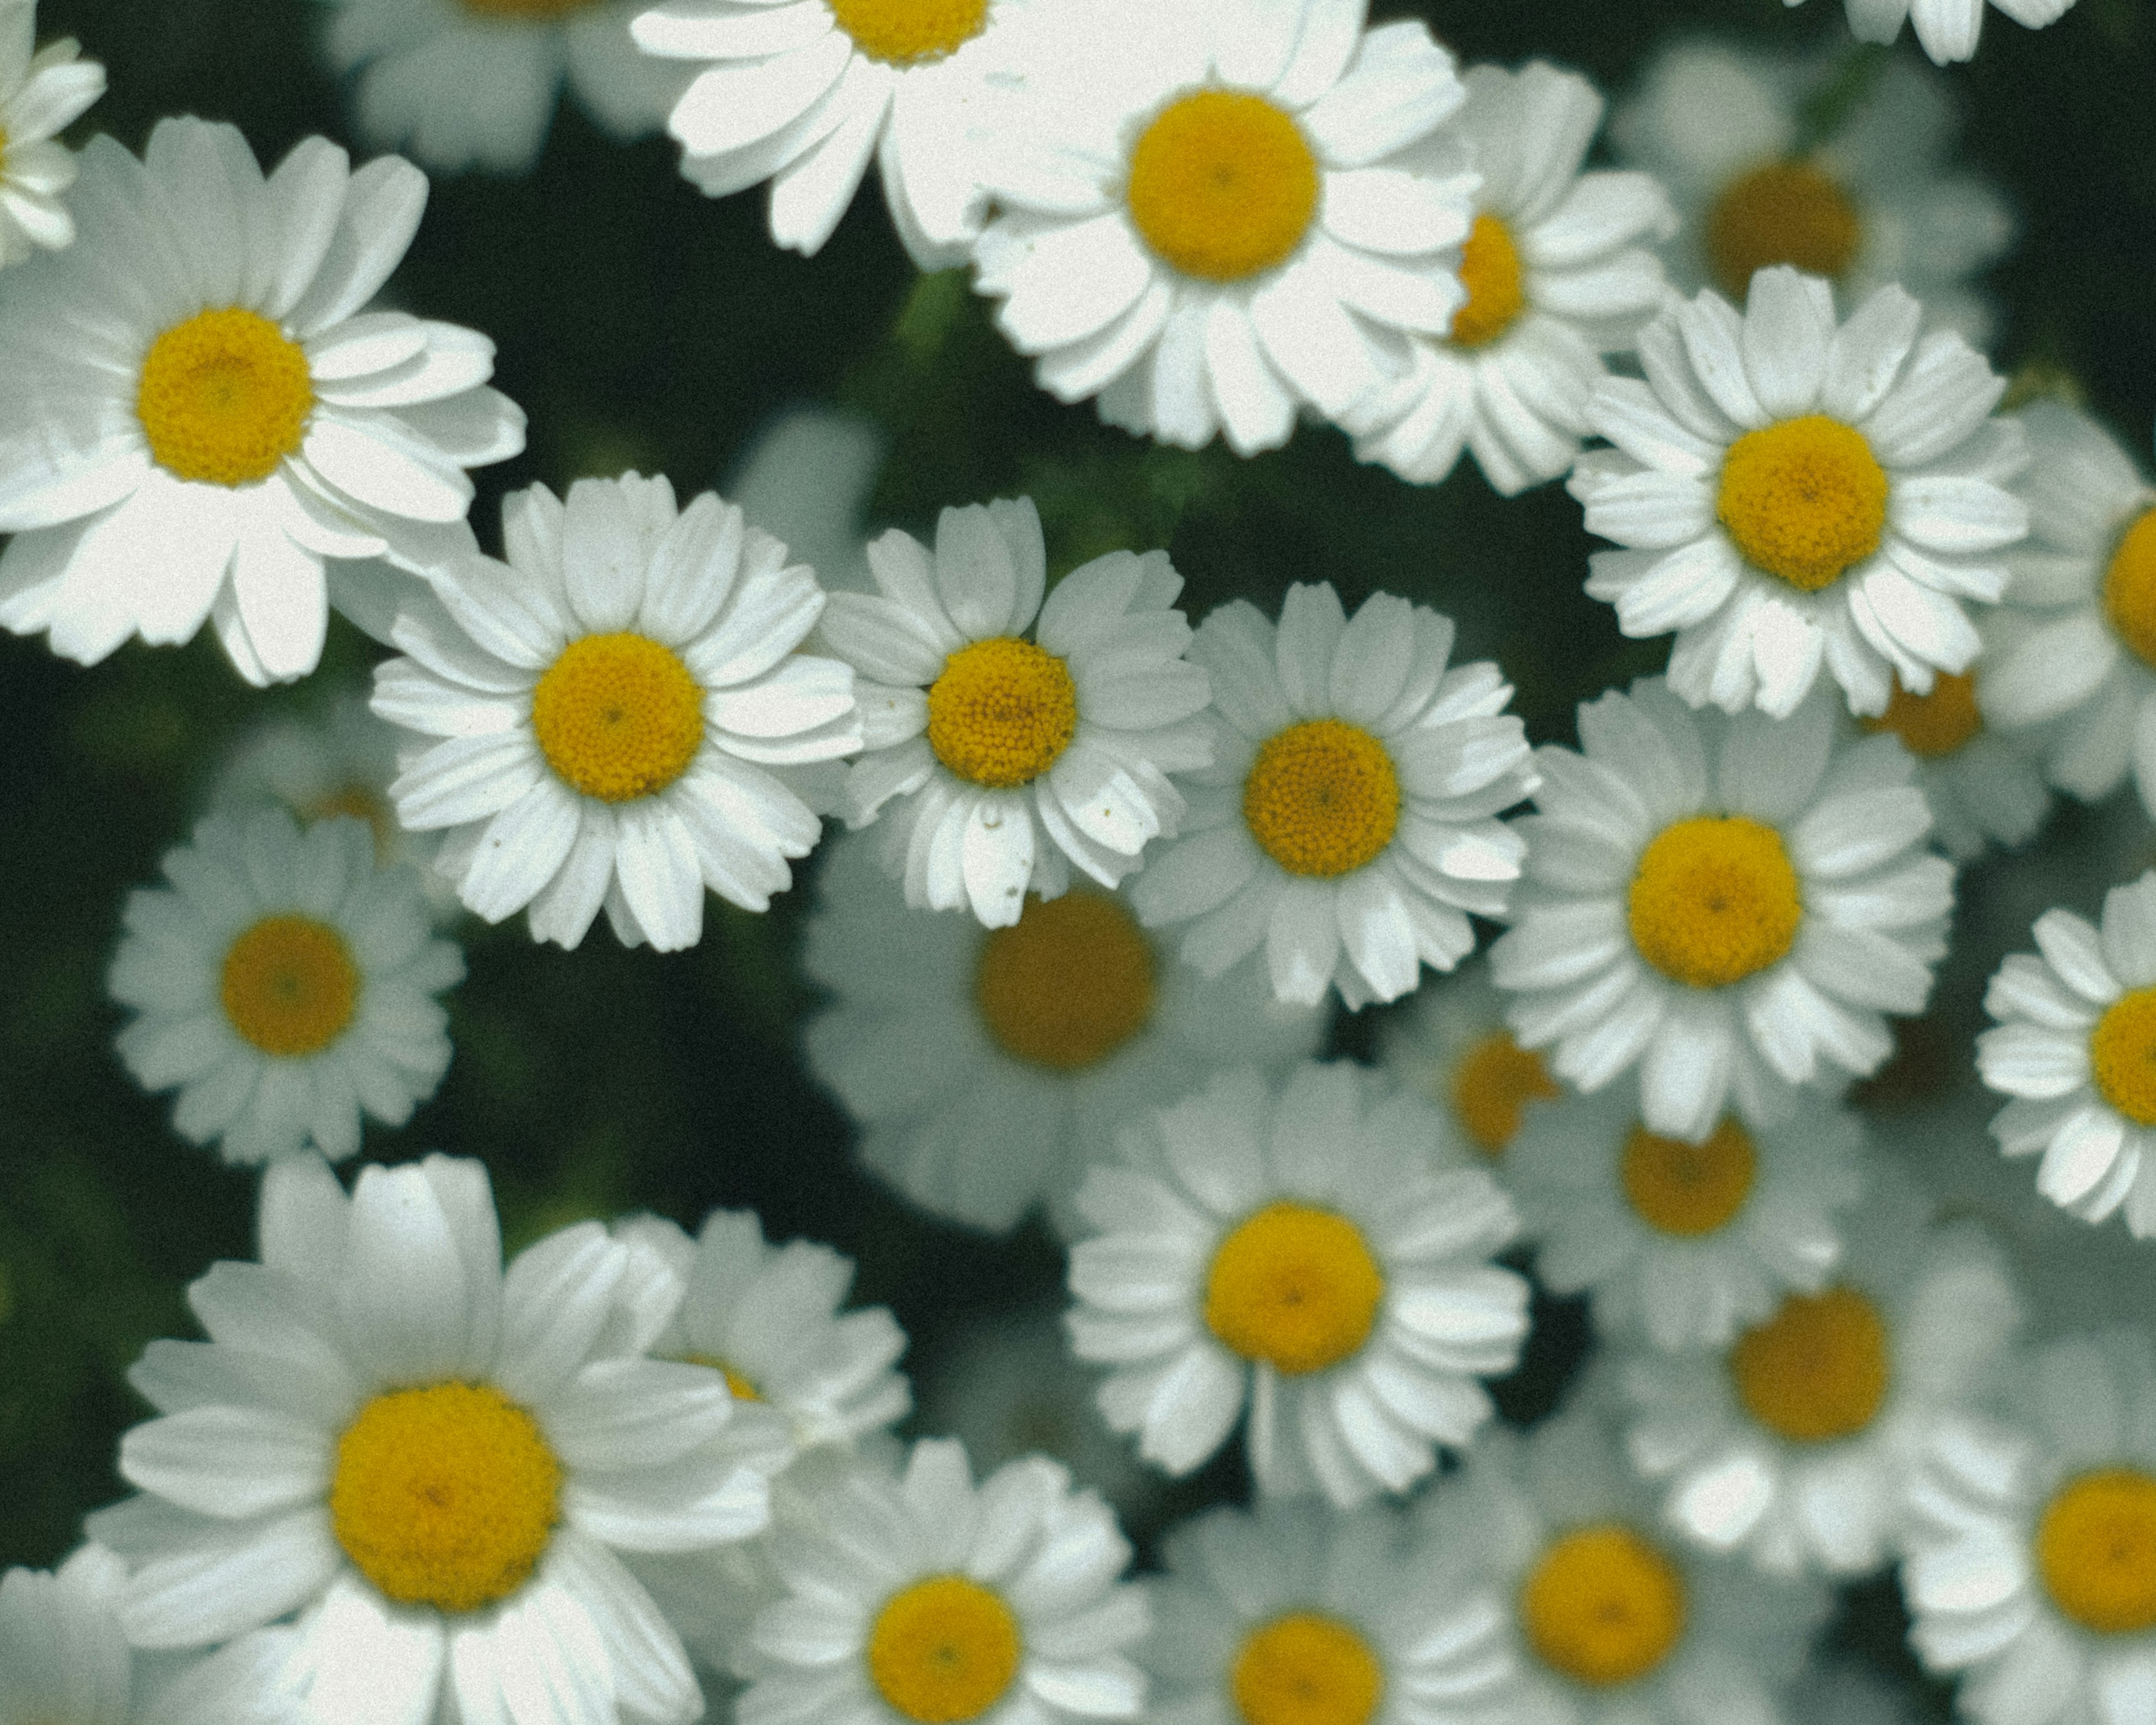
point(998, 761)
point(1948, 28)
point(1347, 822)
point(1300, 1249)
point(1793, 493)
point(42, 91)
point(1732, 904)
point(1557, 272)
point(1211, 217)
point(602, 709)
point(284, 985)
point(1451, 1044)
point(202, 413)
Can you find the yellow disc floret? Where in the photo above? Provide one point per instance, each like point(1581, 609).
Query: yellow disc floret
point(224, 398)
point(1322, 797)
point(2122, 1055)
point(1492, 1087)
point(1715, 899)
point(1223, 185)
point(617, 717)
point(1780, 213)
point(1305, 1669)
point(537, 12)
point(2129, 588)
point(1816, 1370)
point(289, 985)
point(1603, 1605)
point(1804, 499)
point(741, 1388)
point(1490, 271)
point(360, 802)
point(943, 1650)
point(1067, 984)
point(1003, 712)
point(1295, 1286)
point(2096, 1549)
point(1688, 1189)
point(444, 1496)
point(904, 33)
point(1933, 725)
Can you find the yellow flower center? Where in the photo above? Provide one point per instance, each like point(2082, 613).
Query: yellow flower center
point(1715, 901)
point(358, 802)
point(2095, 1548)
point(1490, 271)
point(1305, 1669)
point(1936, 724)
point(1002, 712)
point(224, 398)
point(1687, 1189)
point(1492, 1087)
point(535, 11)
point(1816, 1370)
point(1603, 1605)
point(1805, 498)
point(2122, 1055)
point(444, 1496)
point(1781, 213)
point(906, 32)
point(1068, 983)
point(2129, 588)
point(1295, 1286)
point(1223, 185)
point(289, 985)
point(1322, 799)
point(740, 1388)
point(944, 1649)
point(617, 717)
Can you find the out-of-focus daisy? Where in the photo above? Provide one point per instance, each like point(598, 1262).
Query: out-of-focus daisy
point(927, 1600)
point(1948, 28)
point(283, 984)
point(1347, 822)
point(1731, 903)
point(1876, 200)
point(1452, 1045)
point(805, 479)
point(41, 92)
point(2075, 1048)
point(1557, 274)
point(1792, 492)
point(1686, 1241)
point(473, 83)
point(2032, 1564)
point(989, 1068)
point(201, 413)
point(602, 707)
point(1016, 758)
point(430, 1460)
point(1212, 218)
point(1983, 787)
point(1301, 1251)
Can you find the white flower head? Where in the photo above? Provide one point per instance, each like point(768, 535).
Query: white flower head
point(1212, 217)
point(1948, 28)
point(1301, 1251)
point(202, 413)
point(284, 985)
point(41, 92)
point(1014, 759)
point(1451, 1043)
point(1732, 904)
point(601, 712)
point(1557, 273)
point(1793, 493)
point(1347, 822)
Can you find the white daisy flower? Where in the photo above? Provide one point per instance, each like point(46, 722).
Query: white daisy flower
point(1876, 200)
point(989, 1068)
point(1946, 28)
point(1347, 821)
point(1985, 787)
point(2075, 1048)
point(1792, 492)
point(606, 704)
point(41, 93)
point(432, 1461)
point(1557, 273)
point(284, 985)
point(1211, 217)
point(473, 83)
point(202, 414)
point(1300, 1248)
point(1684, 1241)
point(925, 1599)
point(1016, 758)
point(1451, 1044)
point(1731, 903)
point(806, 479)
point(2032, 1564)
